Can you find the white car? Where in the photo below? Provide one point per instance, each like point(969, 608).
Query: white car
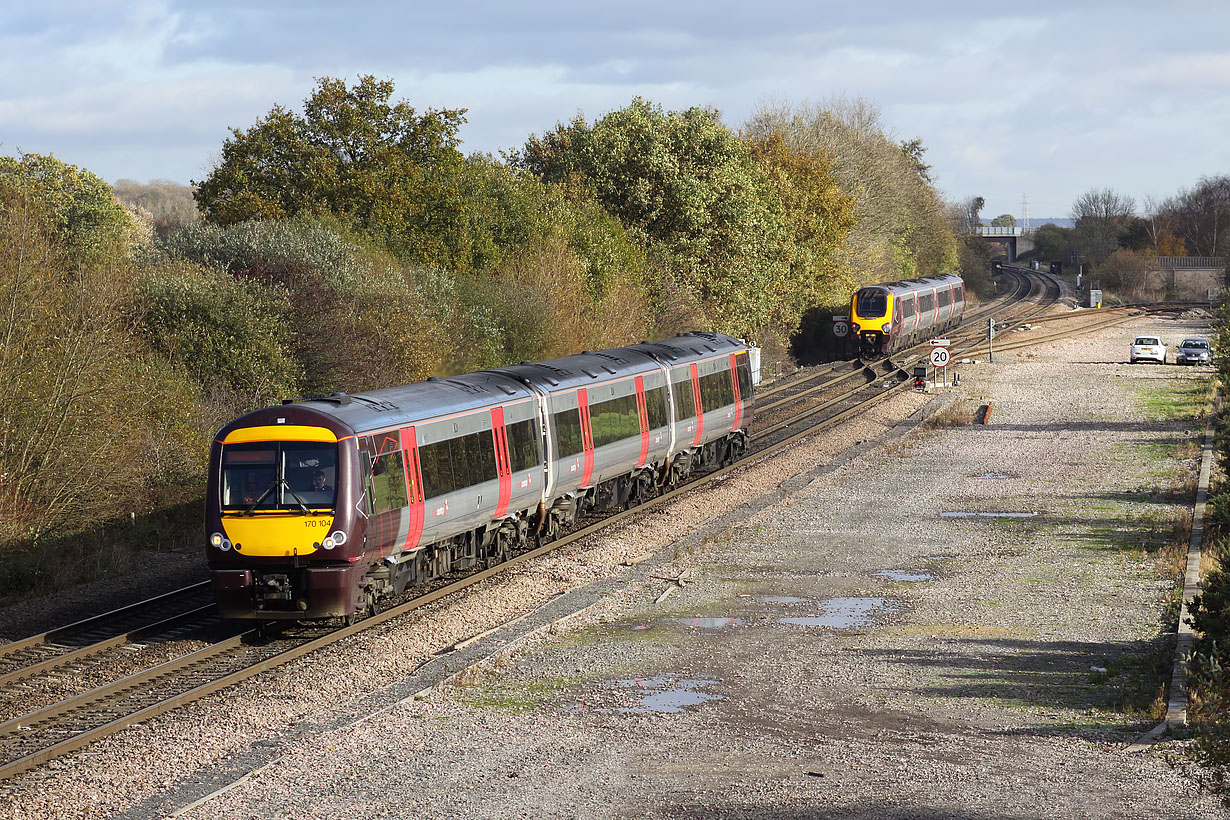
point(1148, 348)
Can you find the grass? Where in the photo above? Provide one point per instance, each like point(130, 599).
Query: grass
point(1186, 400)
point(512, 697)
point(956, 415)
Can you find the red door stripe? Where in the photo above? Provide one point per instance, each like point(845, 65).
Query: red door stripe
point(734, 381)
point(414, 483)
point(643, 415)
point(587, 436)
point(698, 406)
point(499, 436)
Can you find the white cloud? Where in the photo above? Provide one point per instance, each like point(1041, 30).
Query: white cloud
point(1048, 101)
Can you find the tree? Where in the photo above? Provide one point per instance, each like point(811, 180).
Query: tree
point(353, 154)
point(971, 210)
point(1200, 217)
point(1128, 274)
point(1101, 217)
point(83, 214)
point(687, 187)
point(914, 150)
point(902, 227)
point(1004, 221)
point(818, 217)
point(1054, 243)
point(88, 418)
point(167, 204)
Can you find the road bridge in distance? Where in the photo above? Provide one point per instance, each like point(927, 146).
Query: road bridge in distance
point(1012, 241)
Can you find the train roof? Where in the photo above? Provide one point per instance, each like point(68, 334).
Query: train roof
point(580, 369)
point(358, 413)
point(698, 344)
point(921, 283)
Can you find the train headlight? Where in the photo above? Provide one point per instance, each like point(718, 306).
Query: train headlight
point(220, 541)
point(888, 326)
point(335, 539)
point(328, 543)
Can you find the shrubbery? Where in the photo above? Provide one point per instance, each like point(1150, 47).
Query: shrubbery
point(91, 417)
point(1210, 610)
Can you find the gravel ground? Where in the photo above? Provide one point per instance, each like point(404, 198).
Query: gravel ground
point(839, 647)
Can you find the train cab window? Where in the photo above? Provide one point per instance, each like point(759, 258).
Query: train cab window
point(523, 445)
point(872, 303)
point(568, 432)
point(278, 475)
point(685, 403)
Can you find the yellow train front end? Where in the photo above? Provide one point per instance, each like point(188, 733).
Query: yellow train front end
point(283, 540)
point(871, 321)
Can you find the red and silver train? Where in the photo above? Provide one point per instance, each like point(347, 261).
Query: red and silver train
point(886, 318)
point(324, 507)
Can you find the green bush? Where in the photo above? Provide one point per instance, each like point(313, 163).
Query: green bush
point(229, 333)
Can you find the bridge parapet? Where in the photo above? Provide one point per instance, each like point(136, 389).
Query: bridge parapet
point(1188, 262)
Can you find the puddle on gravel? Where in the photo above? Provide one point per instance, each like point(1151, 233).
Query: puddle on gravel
point(845, 613)
point(910, 575)
point(665, 694)
point(709, 623)
point(987, 514)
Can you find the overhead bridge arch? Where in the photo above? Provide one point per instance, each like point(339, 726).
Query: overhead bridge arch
point(1012, 241)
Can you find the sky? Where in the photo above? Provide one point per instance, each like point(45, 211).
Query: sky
point(1041, 101)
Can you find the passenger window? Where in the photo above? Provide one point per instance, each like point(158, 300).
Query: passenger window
point(655, 407)
point(568, 432)
point(437, 467)
point(523, 445)
point(685, 404)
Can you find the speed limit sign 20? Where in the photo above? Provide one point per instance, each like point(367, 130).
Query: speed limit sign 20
point(939, 357)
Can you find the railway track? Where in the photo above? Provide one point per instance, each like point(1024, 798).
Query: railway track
point(786, 412)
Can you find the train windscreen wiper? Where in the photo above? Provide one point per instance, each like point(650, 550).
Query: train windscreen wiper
point(261, 497)
point(302, 505)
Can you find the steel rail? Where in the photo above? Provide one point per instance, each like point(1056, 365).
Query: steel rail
point(102, 646)
point(96, 621)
